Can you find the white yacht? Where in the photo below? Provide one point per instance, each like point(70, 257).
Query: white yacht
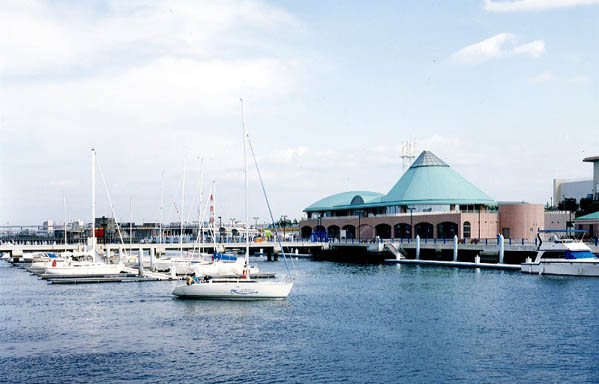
point(562, 256)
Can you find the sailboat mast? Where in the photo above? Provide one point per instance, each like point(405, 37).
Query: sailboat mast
point(130, 223)
point(200, 224)
point(64, 204)
point(182, 207)
point(93, 237)
point(214, 213)
point(245, 169)
point(161, 194)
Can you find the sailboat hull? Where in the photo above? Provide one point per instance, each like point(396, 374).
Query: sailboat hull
point(235, 290)
point(85, 269)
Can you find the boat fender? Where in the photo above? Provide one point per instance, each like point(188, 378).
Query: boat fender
point(54, 263)
point(243, 274)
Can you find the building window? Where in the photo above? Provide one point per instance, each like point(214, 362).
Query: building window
point(467, 230)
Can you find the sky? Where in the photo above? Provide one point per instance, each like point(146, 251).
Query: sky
point(505, 91)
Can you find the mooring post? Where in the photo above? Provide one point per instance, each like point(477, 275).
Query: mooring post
point(108, 254)
point(120, 254)
point(140, 261)
point(455, 247)
point(417, 247)
point(501, 249)
point(152, 255)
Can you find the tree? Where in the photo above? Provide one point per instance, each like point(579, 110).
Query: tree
point(568, 204)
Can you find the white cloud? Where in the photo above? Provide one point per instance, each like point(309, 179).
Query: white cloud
point(534, 49)
point(146, 83)
point(544, 77)
point(532, 5)
point(548, 77)
point(500, 45)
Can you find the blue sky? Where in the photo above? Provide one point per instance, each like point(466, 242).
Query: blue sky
point(504, 91)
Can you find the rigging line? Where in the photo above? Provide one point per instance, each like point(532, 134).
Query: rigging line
point(269, 209)
point(197, 241)
point(118, 226)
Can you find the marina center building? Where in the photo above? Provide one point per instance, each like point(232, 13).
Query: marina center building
point(430, 200)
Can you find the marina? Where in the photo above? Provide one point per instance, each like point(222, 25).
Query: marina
point(299, 192)
point(417, 310)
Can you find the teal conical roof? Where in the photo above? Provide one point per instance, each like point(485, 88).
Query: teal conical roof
point(430, 181)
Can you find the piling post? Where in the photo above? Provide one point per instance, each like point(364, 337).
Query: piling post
point(120, 254)
point(501, 249)
point(140, 262)
point(455, 247)
point(417, 247)
point(152, 256)
point(108, 254)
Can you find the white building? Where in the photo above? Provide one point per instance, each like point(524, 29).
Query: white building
point(48, 225)
point(571, 188)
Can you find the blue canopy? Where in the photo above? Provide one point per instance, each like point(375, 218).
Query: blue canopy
point(223, 257)
point(579, 255)
point(52, 256)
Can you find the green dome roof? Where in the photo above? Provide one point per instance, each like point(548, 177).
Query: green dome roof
point(430, 181)
point(344, 199)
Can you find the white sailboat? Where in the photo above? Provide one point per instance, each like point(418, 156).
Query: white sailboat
point(242, 288)
point(86, 263)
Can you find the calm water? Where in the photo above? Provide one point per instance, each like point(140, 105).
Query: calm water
point(341, 323)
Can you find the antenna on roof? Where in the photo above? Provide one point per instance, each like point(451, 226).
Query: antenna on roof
point(408, 153)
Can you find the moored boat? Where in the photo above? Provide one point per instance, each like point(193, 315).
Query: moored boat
point(244, 287)
point(562, 256)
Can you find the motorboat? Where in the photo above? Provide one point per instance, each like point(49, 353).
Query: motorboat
point(562, 256)
point(242, 287)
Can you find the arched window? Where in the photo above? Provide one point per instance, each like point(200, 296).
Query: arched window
point(357, 200)
point(467, 230)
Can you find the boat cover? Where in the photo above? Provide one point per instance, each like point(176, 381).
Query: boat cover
point(223, 257)
point(579, 255)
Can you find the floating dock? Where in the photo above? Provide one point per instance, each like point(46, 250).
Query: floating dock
point(456, 264)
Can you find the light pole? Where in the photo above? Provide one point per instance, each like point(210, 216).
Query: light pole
point(411, 222)
point(256, 223)
point(284, 222)
point(359, 225)
point(232, 223)
point(220, 225)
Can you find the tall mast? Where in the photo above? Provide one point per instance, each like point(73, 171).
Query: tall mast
point(93, 199)
point(130, 223)
point(182, 208)
point(245, 171)
point(64, 204)
point(200, 224)
point(214, 212)
point(160, 223)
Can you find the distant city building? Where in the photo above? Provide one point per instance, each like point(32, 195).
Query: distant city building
point(595, 161)
point(77, 224)
point(578, 188)
point(430, 200)
point(48, 225)
point(571, 189)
